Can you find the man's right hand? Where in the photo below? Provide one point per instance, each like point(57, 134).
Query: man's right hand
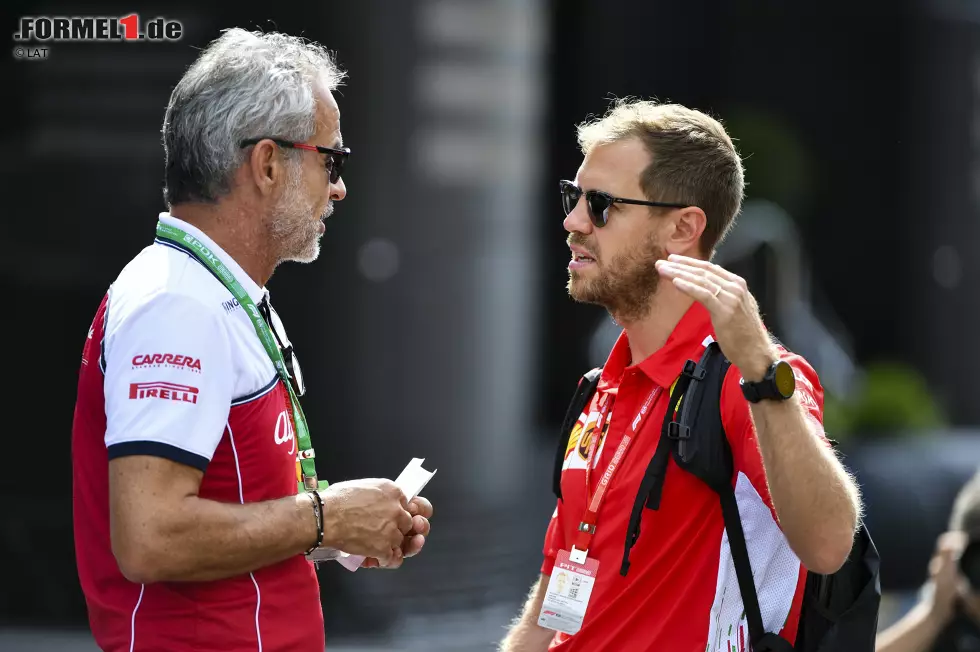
point(366, 517)
point(944, 574)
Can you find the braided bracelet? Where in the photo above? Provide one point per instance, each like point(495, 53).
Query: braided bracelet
point(318, 512)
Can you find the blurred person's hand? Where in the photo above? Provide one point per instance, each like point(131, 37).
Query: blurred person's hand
point(944, 576)
point(367, 517)
point(421, 510)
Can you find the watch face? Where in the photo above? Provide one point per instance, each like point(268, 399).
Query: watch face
point(784, 379)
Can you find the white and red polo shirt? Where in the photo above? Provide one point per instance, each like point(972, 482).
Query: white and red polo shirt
point(172, 367)
point(681, 593)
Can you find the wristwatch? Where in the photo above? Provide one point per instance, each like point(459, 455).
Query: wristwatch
point(778, 384)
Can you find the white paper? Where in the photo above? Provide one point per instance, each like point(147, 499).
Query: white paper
point(411, 481)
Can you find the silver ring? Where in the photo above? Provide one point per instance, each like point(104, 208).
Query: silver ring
point(717, 292)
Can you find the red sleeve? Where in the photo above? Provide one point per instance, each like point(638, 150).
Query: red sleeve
point(737, 418)
point(554, 540)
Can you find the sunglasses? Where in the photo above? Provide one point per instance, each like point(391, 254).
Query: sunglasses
point(336, 158)
point(598, 202)
point(285, 347)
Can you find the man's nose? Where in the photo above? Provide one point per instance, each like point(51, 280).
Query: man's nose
point(578, 220)
point(338, 190)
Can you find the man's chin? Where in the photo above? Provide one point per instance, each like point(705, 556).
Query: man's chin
point(307, 255)
point(580, 292)
point(310, 255)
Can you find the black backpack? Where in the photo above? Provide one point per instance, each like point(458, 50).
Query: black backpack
point(840, 611)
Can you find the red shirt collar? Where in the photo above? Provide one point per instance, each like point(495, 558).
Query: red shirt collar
point(665, 364)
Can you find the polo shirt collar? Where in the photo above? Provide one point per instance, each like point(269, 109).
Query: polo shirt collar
point(256, 293)
point(692, 333)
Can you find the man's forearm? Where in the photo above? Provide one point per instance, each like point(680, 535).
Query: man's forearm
point(816, 501)
point(207, 540)
point(526, 635)
point(916, 632)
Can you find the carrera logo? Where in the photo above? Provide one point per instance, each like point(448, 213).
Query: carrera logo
point(164, 391)
point(167, 360)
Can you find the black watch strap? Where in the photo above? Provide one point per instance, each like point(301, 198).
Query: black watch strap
point(778, 384)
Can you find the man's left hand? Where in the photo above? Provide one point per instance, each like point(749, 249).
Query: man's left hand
point(421, 511)
point(734, 312)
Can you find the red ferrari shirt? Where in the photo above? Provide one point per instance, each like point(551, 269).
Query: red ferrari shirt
point(681, 593)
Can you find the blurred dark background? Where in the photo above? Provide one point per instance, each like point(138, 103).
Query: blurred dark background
point(436, 324)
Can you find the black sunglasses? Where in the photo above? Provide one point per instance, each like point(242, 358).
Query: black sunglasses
point(336, 158)
point(598, 202)
point(285, 347)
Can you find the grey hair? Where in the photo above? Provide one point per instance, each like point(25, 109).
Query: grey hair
point(243, 85)
point(965, 515)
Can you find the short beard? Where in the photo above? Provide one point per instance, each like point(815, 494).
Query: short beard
point(625, 285)
point(295, 235)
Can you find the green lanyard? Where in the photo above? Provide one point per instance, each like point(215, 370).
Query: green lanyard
point(305, 467)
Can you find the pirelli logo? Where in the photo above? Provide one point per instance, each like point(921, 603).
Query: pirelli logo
point(163, 391)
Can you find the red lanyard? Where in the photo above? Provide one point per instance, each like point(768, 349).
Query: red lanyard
point(586, 528)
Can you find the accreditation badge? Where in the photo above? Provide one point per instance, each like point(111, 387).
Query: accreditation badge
point(569, 591)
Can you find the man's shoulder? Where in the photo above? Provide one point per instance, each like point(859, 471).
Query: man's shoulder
point(164, 281)
point(804, 372)
point(809, 390)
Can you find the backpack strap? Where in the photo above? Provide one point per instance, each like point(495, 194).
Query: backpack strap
point(653, 478)
point(702, 448)
point(695, 438)
point(762, 641)
point(587, 385)
point(743, 567)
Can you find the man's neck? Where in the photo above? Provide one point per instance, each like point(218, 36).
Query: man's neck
point(649, 333)
point(235, 232)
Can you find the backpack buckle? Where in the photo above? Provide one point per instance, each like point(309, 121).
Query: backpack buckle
point(693, 371)
point(678, 432)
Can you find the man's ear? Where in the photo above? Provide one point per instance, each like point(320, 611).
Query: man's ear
point(264, 166)
point(687, 225)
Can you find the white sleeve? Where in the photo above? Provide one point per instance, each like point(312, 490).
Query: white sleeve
point(168, 380)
